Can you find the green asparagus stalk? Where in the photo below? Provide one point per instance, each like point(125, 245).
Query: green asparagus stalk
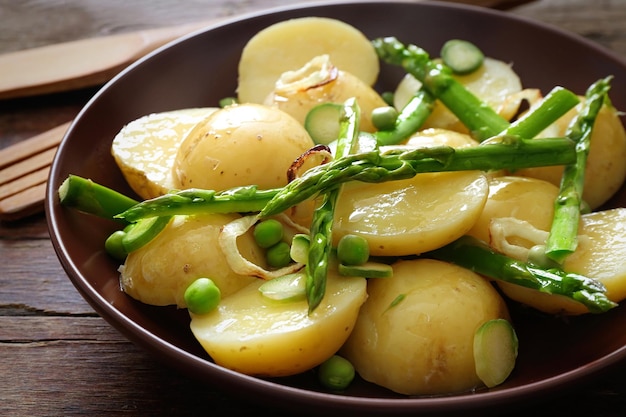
point(476, 255)
point(322, 222)
point(397, 164)
point(244, 199)
point(562, 240)
point(554, 105)
point(89, 197)
point(410, 119)
point(481, 120)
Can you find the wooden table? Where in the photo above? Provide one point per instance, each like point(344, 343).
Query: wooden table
point(57, 357)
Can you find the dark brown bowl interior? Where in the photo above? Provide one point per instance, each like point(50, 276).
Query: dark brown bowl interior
point(201, 69)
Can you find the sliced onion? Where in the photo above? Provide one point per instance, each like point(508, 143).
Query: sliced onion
point(239, 264)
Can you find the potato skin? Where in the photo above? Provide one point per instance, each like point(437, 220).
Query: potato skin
point(344, 86)
point(423, 345)
point(244, 144)
point(187, 249)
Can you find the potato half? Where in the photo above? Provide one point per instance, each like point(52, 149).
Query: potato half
point(145, 149)
point(288, 45)
point(255, 335)
point(415, 332)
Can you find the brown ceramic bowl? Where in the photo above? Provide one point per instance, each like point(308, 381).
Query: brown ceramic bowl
point(199, 70)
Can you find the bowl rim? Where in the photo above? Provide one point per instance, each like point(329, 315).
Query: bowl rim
point(282, 395)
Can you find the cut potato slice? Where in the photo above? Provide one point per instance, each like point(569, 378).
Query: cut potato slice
point(601, 254)
point(288, 45)
point(411, 216)
point(251, 334)
point(145, 149)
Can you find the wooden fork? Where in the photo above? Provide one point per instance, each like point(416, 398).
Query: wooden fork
point(24, 169)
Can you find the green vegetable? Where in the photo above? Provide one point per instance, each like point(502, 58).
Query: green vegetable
point(495, 351)
point(367, 269)
point(87, 196)
point(476, 255)
point(562, 240)
point(374, 167)
point(463, 57)
point(322, 122)
point(320, 245)
point(227, 101)
point(554, 105)
point(268, 233)
point(290, 287)
point(481, 120)
point(353, 250)
point(196, 201)
point(278, 255)
point(410, 119)
point(384, 118)
point(336, 373)
point(202, 296)
point(114, 247)
point(138, 234)
point(299, 250)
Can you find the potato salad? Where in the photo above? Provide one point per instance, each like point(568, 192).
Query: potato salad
point(311, 223)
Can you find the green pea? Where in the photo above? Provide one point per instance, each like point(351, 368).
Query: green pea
point(268, 233)
point(113, 245)
point(388, 97)
point(227, 101)
point(384, 118)
point(336, 373)
point(278, 255)
point(353, 250)
point(202, 296)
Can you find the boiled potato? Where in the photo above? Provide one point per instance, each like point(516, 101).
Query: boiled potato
point(411, 216)
point(526, 199)
point(288, 45)
point(145, 149)
point(297, 92)
point(493, 83)
point(601, 254)
point(414, 334)
point(240, 145)
point(160, 272)
point(255, 335)
point(606, 170)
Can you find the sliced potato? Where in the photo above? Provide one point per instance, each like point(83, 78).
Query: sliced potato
point(601, 254)
point(320, 82)
point(145, 149)
point(606, 170)
point(411, 216)
point(415, 332)
point(288, 45)
point(526, 199)
point(187, 249)
point(255, 335)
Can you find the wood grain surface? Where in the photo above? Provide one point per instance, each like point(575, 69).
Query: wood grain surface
point(57, 356)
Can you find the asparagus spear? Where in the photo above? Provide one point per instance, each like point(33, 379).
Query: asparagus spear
point(476, 255)
point(89, 197)
point(481, 120)
point(321, 225)
point(562, 240)
point(397, 164)
point(196, 201)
